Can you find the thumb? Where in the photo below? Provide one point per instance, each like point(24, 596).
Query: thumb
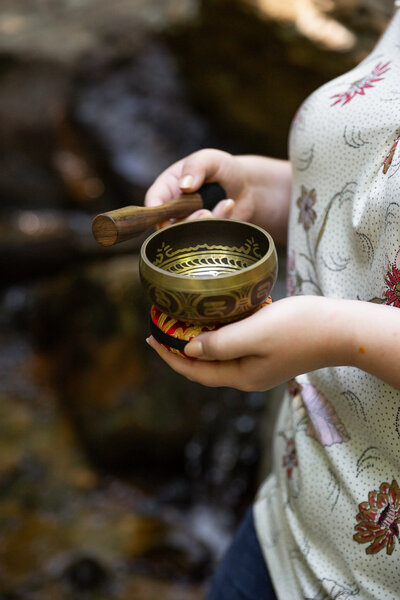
point(227, 343)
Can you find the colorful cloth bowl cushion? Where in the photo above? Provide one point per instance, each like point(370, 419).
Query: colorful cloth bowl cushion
point(174, 334)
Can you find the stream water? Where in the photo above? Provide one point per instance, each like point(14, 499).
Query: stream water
point(118, 479)
point(148, 516)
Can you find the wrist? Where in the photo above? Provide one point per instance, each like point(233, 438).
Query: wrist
point(269, 182)
point(359, 334)
point(328, 324)
point(341, 326)
point(317, 332)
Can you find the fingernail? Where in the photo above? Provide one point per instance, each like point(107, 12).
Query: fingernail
point(194, 348)
point(186, 182)
point(149, 341)
point(228, 205)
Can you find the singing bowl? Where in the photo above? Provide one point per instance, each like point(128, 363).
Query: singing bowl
point(208, 271)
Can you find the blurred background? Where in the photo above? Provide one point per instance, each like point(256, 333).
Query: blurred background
point(119, 479)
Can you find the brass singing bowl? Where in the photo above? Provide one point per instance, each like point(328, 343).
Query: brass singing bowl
point(209, 270)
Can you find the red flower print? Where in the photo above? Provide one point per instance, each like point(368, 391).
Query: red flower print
point(389, 156)
point(391, 292)
point(305, 202)
point(289, 459)
point(358, 87)
point(294, 387)
point(378, 519)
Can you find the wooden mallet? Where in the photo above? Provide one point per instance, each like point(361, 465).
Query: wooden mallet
point(124, 223)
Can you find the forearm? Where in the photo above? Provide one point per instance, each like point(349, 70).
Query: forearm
point(270, 180)
point(365, 335)
point(293, 336)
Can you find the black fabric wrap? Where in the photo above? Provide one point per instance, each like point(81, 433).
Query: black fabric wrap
point(211, 193)
point(164, 338)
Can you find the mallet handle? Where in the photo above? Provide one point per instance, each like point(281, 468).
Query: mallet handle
point(124, 223)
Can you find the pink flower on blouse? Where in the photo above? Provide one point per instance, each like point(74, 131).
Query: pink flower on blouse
point(324, 424)
point(391, 291)
point(305, 202)
point(358, 87)
point(389, 156)
point(289, 459)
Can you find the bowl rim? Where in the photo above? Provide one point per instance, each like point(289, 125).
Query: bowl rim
point(207, 280)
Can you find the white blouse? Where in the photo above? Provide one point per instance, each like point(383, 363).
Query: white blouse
point(328, 517)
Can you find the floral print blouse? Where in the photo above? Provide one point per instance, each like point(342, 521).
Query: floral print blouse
point(328, 517)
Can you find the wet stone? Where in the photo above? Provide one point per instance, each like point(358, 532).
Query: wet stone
point(86, 574)
point(140, 114)
point(104, 371)
point(128, 419)
point(64, 532)
point(271, 57)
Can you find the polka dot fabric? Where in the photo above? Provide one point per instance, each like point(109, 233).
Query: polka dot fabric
point(328, 517)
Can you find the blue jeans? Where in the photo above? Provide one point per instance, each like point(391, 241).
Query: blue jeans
point(242, 574)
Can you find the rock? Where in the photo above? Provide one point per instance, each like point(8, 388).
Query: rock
point(49, 58)
point(44, 242)
point(147, 588)
point(132, 412)
point(65, 531)
point(86, 574)
point(139, 113)
point(251, 80)
point(90, 327)
point(92, 107)
point(338, 25)
point(29, 95)
point(67, 30)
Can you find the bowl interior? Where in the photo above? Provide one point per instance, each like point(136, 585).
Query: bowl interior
point(207, 248)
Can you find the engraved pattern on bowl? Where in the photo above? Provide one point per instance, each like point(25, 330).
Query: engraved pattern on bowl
point(208, 271)
point(207, 260)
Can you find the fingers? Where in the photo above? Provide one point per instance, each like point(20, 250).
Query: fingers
point(199, 214)
point(211, 374)
point(188, 174)
point(224, 209)
point(166, 223)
